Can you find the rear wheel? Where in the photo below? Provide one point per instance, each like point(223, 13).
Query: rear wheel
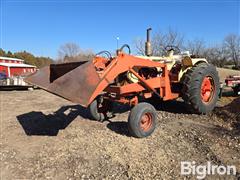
point(142, 120)
point(201, 88)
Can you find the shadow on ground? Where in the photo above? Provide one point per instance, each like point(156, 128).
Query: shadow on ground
point(119, 127)
point(40, 124)
point(172, 106)
point(37, 123)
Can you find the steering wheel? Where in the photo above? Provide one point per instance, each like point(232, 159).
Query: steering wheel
point(172, 47)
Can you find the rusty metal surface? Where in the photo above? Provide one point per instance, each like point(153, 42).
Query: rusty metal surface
point(40, 78)
point(58, 70)
point(76, 85)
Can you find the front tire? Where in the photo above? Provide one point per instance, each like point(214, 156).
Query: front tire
point(201, 88)
point(142, 120)
point(93, 110)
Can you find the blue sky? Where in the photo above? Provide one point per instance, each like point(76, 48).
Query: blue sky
point(41, 26)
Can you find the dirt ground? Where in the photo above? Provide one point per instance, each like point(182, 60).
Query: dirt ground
point(46, 137)
point(223, 72)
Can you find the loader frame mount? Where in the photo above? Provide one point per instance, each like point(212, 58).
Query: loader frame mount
point(128, 93)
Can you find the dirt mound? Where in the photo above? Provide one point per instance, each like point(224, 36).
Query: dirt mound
point(230, 114)
point(231, 109)
point(234, 106)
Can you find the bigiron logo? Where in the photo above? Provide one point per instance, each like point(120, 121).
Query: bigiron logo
point(201, 171)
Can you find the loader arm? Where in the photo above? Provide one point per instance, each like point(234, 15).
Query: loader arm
point(120, 64)
point(83, 83)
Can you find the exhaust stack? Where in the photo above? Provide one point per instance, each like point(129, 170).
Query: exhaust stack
point(148, 49)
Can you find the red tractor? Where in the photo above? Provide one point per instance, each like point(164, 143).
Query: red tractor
point(126, 78)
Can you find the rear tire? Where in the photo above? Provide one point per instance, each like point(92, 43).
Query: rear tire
point(142, 120)
point(201, 88)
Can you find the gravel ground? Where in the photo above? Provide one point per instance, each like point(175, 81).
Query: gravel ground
point(46, 137)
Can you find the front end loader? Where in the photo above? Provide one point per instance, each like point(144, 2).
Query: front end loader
point(127, 79)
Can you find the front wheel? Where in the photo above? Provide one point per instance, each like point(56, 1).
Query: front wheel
point(99, 108)
point(94, 113)
point(142, 120)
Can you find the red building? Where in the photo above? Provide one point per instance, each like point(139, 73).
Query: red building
point(15, 67)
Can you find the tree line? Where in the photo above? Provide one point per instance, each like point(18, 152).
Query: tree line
point(223, 54)
point(28, 58)
point(226, 53)
point(71, 52)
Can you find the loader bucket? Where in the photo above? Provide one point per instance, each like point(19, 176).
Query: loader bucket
point(73, 81)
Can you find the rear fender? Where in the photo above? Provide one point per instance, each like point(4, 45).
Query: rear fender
point(189, 64)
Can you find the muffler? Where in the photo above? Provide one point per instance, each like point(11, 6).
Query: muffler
point(148, 49)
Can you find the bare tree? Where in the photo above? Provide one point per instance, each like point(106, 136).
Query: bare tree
point(232, 46)
point(71, 52)
point(68, 51)
point(140, 46)
point(216, 55)
point(196, 47)
point(84, 55)
point(159, 41)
